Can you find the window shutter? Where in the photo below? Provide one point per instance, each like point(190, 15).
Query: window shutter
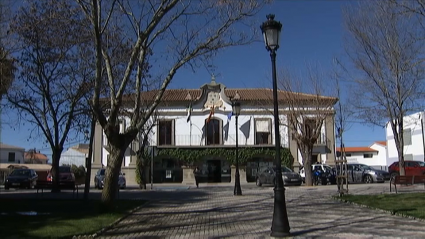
point(173, 135)
point(407, 136)
point(262, 126)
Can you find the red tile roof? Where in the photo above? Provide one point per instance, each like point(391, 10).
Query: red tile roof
point(35, 156)
point(356, 149)
point(255, 94)
point(384, 143)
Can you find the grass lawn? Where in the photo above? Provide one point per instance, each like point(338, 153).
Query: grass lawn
point(57, 218)
point(411, 204)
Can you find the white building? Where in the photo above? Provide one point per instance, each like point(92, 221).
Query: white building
point(75, 155)
point(374, 155)
point(211, 128)
point(11, 154)
point(413, 134)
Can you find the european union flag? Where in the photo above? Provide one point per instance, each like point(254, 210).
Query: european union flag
point(229, 116)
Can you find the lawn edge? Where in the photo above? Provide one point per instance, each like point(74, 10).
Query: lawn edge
point(102, 230)
point(337, 198)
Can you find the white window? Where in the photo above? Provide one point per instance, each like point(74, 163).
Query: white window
point(262, 131)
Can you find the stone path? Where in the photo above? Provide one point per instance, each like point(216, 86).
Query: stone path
point(213, 212)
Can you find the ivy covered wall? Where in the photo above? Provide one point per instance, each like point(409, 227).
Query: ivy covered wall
point(190, 156)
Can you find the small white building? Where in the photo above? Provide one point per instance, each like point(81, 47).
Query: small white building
point(75, 155)
point(413, 135)
point(374, 155)
point(11, 154)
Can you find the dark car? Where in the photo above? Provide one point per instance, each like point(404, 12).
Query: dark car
point(65, 174)
point(361, 173)
point(267, 175)
point(100, 177)
point(411, 168)
point(21, 178)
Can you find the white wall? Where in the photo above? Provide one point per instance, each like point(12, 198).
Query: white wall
point(19, 155)
point(72, 156)
point(416, 149)
point(190, 134)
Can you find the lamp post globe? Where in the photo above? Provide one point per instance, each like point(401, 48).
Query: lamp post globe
point(280, 224)
point(236, 109)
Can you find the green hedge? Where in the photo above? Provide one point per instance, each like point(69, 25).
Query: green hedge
point(190, 156)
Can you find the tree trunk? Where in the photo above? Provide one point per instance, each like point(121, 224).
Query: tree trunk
point(142, 184)
point(55, 168)
point(401, 163)
point(306, 154)
point(110, 189)
point(88, 161)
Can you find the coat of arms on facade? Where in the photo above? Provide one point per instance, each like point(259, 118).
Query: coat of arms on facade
point(213, 100)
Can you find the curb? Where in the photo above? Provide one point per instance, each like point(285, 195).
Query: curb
point(379, 210)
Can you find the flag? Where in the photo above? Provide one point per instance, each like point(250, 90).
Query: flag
point(211, 114)
point(229, 116)
point(189, 112)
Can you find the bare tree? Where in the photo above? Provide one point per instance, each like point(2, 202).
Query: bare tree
point(7, 68)
point(173, 34)
point(52, 78)
point(382, 43)
point(307, 108)
point(344, 112)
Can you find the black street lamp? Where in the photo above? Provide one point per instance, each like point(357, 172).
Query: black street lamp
point(280, 224)
point(236, 108)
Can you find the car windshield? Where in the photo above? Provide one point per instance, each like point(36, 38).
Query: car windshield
point(102, 172)
point(366, 167)
point(422, 164)
point(20, 172)
point(327, 168)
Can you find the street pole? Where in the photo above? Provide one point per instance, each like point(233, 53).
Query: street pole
point(280, 223)
point(237, 190)
point(152, 157)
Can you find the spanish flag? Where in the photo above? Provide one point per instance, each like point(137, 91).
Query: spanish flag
point(211, 114)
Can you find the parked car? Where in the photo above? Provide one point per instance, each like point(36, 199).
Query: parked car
point(267, 175)
point(100, 177)
point(328, 171)
point(65, 174)
point(20, 178)
point(361, 173)
point(410, 168)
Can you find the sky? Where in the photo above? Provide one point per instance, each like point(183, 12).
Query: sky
point(312, 34)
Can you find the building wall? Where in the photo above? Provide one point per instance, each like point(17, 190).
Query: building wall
point(380, 159)
point(72, 156)
point(19, 155)
point(191, 133)
point(413, 151)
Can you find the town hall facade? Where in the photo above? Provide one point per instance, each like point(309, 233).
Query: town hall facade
point(200, 122)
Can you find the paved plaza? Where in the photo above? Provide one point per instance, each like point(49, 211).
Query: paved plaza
point(213, 212)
